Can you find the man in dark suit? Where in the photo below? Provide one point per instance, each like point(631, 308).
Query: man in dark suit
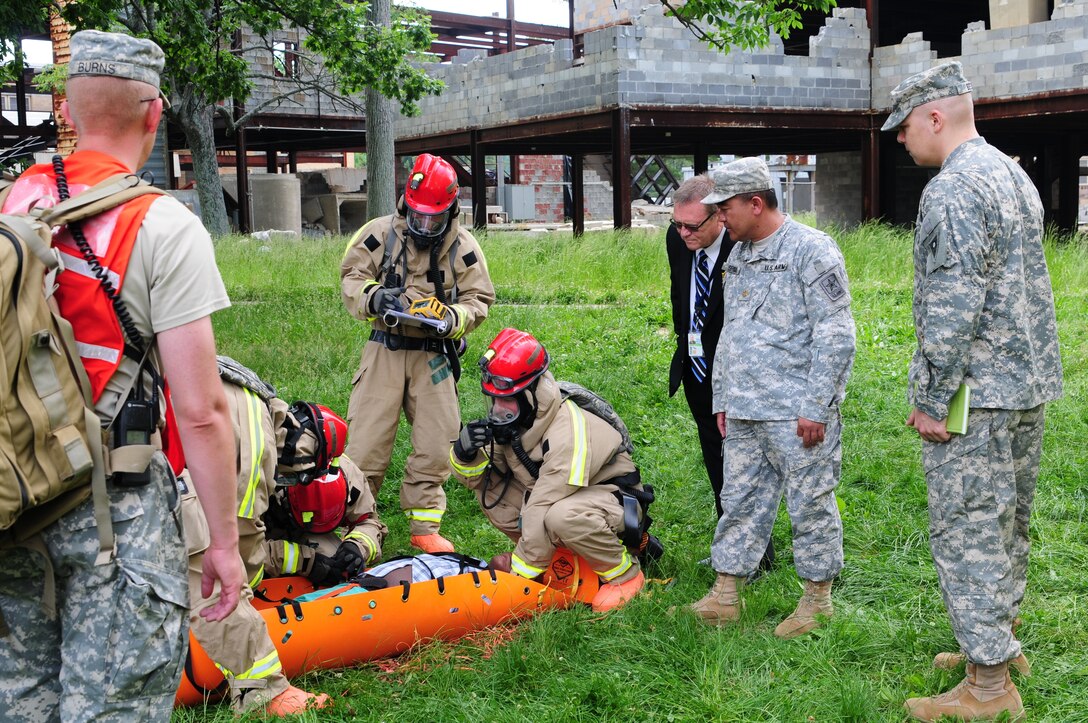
point(697, 245)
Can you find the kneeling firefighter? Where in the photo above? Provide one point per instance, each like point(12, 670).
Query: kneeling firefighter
point(321, 520)
point(551, 474)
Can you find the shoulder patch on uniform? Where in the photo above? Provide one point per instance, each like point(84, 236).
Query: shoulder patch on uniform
point(832, 285)
point(470, 258)
point(371, 243)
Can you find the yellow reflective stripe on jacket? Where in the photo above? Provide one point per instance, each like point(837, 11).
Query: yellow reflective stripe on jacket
point(578, 476)
point(461, 316)
point(363, 291)
point(371, 545)
point(624, 566)
point(291, 557)
point(422, 515)
point(254, 407)
point(266, 667)
point(520, 567)
point(464, 469)
point(257, 577)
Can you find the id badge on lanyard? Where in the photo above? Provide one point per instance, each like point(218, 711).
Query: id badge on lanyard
point(695, 344)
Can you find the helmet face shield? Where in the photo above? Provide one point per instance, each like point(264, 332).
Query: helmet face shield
point(427, 225)
point(502, 410)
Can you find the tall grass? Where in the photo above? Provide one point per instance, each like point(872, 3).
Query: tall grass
point(600, 305)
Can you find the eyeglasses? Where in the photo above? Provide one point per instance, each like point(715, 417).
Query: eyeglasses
point(691, 227)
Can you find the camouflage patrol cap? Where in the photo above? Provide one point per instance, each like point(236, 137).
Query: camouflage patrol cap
point(940, 81)
point(744, 175)
point(116, 55)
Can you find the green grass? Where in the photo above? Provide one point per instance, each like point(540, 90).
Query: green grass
point(600, 305)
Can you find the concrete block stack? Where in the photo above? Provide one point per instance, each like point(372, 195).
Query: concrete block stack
point(1003, 62)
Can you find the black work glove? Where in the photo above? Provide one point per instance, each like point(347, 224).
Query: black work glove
point(474, 435)
point(348, 559)
point(325, 572)
point(386, 299)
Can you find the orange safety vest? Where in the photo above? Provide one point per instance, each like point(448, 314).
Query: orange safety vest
point(80, 296)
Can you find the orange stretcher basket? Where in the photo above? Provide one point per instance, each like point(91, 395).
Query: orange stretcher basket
point(344, 630)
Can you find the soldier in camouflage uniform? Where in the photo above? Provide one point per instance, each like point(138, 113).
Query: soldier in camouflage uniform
point(984, 318)
point(112, 646)
point(779, 376)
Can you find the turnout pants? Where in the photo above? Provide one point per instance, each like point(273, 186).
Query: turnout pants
point(239, 645)
point(981, 487)
point(421, 383)
point(590, 523)
point(763, 461)
point(114, 649)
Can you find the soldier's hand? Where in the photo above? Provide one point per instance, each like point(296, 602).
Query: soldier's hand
point(386, 299)
point(474, 435)
point(348, 559)
point(324, 571)
point(929, 429)
point(720, 417)
point(811, 433)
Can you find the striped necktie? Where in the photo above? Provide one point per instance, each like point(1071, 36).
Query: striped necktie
point(698, 318)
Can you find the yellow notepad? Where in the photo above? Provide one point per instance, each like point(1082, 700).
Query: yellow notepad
point(958, 409)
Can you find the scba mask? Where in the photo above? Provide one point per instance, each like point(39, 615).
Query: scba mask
point(502, 411)
point(427, 227)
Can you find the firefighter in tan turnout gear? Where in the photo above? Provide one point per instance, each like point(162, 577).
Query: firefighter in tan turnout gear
point(239, 645)
point(550, 474)
point(321, 519)
point(421, 282)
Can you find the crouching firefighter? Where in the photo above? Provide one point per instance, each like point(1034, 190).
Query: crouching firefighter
point(321, 519)
point(549, 472)
point(421, 282)
point(239, 645)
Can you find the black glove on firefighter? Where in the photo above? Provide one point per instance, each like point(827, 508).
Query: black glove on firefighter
point(348, 559)
point(385, 299)
point(474, 435)
point(324, 571)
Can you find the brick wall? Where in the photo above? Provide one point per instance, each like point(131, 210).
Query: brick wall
point(545, 175)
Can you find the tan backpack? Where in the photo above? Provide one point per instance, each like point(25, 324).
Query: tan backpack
point(51, 439)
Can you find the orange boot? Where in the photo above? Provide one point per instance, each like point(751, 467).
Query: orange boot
point(431, 543)
point(295, 700)
point(613, 595)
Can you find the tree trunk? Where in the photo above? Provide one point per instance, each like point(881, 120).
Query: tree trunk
point(59, 34)
point(381, 199)
point(195, 119)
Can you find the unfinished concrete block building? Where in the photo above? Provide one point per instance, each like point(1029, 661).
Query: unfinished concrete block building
point(633, 81)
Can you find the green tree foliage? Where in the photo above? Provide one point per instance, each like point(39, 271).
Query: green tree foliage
point(743, 24)
point(207, 73)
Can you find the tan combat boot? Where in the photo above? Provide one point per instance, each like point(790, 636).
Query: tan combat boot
point(722, 604)
point(951, 661)
point(984, 694)
point(816, 600)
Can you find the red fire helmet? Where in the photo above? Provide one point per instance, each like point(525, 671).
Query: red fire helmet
point(511, 363)
point(432, 186)
point(320, 505)
point(327, 426)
